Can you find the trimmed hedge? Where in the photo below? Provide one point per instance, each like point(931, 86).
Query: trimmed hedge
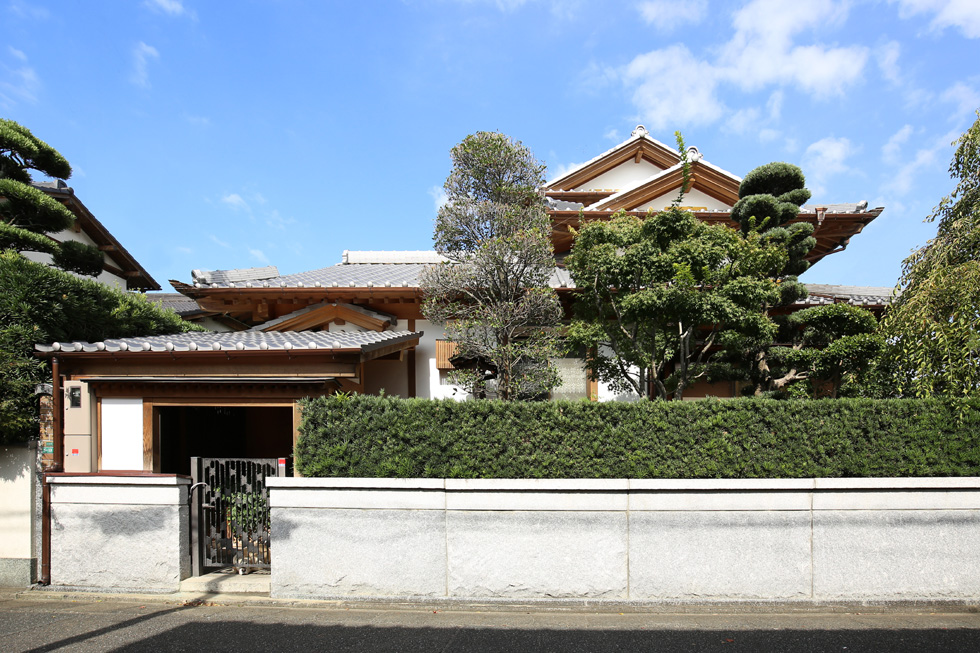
point(734, 438)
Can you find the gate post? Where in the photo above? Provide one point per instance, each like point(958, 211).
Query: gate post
point(195, 517)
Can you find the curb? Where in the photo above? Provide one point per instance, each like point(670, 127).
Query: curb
point(412, 604)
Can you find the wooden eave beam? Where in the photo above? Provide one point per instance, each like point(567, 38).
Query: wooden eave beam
point(388, 349)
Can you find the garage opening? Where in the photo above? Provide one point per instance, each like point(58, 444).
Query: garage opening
point(223, 432)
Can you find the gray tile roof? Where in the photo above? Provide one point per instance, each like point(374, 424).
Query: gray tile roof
point(564, 205)
point(858, 207)
point(406, 275)
point(176, 302)
point(357, 275)
point(822, 293)
point(232, 276)
point(241, 341)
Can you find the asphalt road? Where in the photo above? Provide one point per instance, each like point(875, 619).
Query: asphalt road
point(96, 625)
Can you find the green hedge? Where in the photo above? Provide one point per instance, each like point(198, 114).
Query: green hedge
point(734, 438)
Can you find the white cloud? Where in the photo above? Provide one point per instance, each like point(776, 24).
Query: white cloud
point(236, 201)
point(560, 169)
point(438, 195)
point(887, 57)
point(775, 104)
point(172, 7)
point(891, 149)
point(22, 84)
point(689, 99)
point(961, 14)
point(259, 255)
point(902, 181)
point(275, 220)
point(142, 54)
point(825, 159)
point(200, 121)
point(965, 98)
point(217, 241)
point(186, 251)
point(668, 14)
point(612, 134)
point(768, 135)
point(28, 10)
point(742, 121)
point(673, 87)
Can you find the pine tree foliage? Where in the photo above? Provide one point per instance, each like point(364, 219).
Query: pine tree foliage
point(493, 295)
point(28, 214)
point(933, 326)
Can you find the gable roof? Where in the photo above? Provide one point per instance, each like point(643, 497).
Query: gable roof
point(136, 276)
point(639, 146)
point(709, 179)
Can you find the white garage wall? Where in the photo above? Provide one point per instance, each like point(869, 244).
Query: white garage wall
point(122, 434)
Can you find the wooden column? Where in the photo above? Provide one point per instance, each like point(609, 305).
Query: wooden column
point(297, 420)
point(411, 364)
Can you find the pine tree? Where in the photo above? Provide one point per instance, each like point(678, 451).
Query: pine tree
point(28, 215)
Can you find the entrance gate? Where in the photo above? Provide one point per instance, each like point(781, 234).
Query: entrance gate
point(230, 518)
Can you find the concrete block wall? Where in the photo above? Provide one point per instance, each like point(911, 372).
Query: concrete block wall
point(807, 540)
point(119, 533)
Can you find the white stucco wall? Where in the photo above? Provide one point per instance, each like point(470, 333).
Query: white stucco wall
point(107, 278)
point(809, 541)
point(16, 511)
point(119, 533)
point(692, 198)
point(622, 176)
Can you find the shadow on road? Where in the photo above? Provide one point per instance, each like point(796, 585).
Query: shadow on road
point(240, 636)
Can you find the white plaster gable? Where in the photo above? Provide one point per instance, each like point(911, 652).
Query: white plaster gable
point(694, 200)
point(625, 175)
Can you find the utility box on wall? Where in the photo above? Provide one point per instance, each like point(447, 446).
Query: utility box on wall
point(79, 450)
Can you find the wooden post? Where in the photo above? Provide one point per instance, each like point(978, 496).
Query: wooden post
point(411, 364)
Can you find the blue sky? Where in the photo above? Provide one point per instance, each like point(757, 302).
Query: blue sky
point(217, 135)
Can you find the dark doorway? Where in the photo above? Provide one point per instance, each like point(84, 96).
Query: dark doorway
point(222, 432)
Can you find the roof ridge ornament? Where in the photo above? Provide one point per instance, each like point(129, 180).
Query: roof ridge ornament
point(640, 131)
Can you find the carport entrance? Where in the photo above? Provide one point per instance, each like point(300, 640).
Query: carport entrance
point(222, 432)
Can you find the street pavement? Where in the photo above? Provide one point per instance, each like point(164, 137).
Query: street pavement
point(51, 623)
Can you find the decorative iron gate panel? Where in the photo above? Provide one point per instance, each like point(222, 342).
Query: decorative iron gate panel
point(233, 512)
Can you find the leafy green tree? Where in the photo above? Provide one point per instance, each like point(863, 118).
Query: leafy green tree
point(933, 326)
point(667, 301)
point(492, 294)
point(659, 294)
point(27, 215)
point(41, 304)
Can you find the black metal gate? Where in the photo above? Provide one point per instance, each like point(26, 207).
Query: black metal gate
point(230, 518)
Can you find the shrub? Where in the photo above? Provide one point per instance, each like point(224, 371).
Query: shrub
point(736, 438)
